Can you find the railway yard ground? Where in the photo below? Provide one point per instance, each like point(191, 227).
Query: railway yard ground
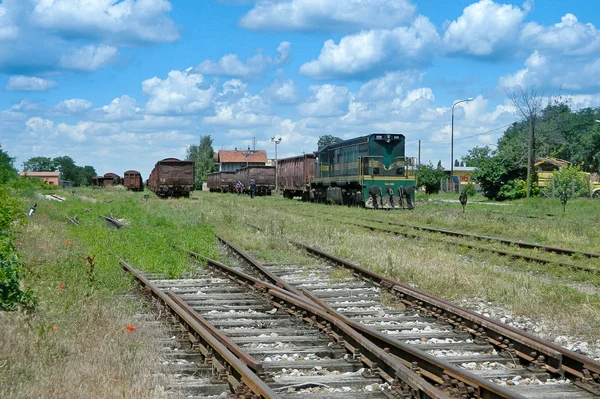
point(91, 335)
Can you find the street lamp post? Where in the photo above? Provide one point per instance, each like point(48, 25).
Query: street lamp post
point(276, 141)
point(452, 140)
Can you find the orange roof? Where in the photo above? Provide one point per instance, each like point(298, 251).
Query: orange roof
point(238, 156)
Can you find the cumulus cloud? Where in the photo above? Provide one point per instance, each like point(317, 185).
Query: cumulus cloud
point(89, 58)
point(327, 100)
point(50, 35)
point(328, 15)
point(568, 37)
point(282, 91)
point(484, 29)
point(231, 65)
point(375, 50)
point(73, 106)
point(29, 83)
point(119, 22)
point(121, 108)
point(237, 108)
point(390, 86)
point(179, 93)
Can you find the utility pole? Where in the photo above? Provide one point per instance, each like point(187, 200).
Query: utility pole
point(419, 158)
point(276, 168)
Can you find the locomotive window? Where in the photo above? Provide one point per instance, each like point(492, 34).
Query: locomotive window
point(400, 171)
point(375, 171)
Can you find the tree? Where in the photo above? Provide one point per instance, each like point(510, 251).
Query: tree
point(68, 170)
point(203, 156)
point(439, 166)
point(528, 105)
point(7, 170)
point(86, 174)
point(429, 177)
point(326, 140)
point(39, 164)
point(456, 163)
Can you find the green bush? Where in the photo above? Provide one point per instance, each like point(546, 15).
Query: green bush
point(11, 268)
point(469, 189)
point(515, 189)
point(564, 178)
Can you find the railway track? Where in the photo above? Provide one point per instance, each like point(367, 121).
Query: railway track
point(509, 254)
point(418, 329)
point(267, 342)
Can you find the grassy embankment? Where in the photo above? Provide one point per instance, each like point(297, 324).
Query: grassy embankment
point(83, 339)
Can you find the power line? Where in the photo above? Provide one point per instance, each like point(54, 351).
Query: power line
point(461, 138)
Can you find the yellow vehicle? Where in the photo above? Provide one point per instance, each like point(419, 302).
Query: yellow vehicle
point(547, 166)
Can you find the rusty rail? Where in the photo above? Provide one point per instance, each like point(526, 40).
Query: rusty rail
point(402, 379)
point(241, 378)
point(434, 369)
point(508, 254)
point(114, 222)
point(540, 353)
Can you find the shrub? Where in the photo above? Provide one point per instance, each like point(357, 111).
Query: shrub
point(469, 189)
point(564, 178)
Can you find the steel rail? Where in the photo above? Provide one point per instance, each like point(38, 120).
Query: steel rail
point(521, 244)
point(540, 353)
point(404, 381)
point(238, 374)
point(435, 369)
point(114, 222)
point(508, 254)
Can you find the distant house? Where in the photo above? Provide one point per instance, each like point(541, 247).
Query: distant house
point(51, 178)
point(231, 160)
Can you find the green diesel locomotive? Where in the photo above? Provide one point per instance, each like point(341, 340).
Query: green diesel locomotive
point(370, 170)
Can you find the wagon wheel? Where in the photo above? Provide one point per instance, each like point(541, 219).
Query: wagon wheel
point(596, 194)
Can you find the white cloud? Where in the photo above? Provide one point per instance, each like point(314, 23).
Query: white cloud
point(484, 29)
point(390, 86)
point(328, 100)
point(327, 15)
point(8, 30)
point(121, 108)
point(39, 127)
point(282, 91)
point(249, 110)
point(568, 37)
point(119, 22)
point(89, 58)
point(284, 51)
point(231, 65)
point(29, 83)
point(179, 93)
point(73, 106)
point(375, 50)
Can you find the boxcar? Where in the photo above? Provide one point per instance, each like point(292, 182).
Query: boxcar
point(370, 170)
point(295, 174)
point(132, 180)
point(172, 178)
point(112, 179)
point(97, 181)
point(221, 182)
point(263, 176)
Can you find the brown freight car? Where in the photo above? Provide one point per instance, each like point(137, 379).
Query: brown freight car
point(112, 179)
point(263, 176)
point(295, 174)
point(172, 178)
point(97, 181)
point(223, 182)
point(132, 180)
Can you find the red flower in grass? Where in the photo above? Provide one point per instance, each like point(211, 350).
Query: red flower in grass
point(130, 328)
point(20, 242)
point(54, 328)
point(41, 247)
point(62, 287)
point(66, 243)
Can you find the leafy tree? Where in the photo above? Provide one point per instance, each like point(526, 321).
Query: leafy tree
point(86, 174)
point(456, 163)
point(204, 157)
point(570, 175)
point(429, 177)
point(68, 170)
point(326, 140)
point(39, 164)
point(439, 166)
point(7, 170)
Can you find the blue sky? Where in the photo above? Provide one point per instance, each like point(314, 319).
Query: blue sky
point(121, 84)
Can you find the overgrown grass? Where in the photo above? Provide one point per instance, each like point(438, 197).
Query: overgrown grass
point(84, 339)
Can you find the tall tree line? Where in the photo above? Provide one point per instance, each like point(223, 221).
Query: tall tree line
point(79, 175)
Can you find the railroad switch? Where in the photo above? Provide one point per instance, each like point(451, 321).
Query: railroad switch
point(589, 382)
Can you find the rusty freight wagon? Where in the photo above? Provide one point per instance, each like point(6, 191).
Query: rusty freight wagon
point(294, 175)
point(132, 180)
point(112, 179)
point(263, 176)
point(97, 181)
point(172, 178)
point(223, 182)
